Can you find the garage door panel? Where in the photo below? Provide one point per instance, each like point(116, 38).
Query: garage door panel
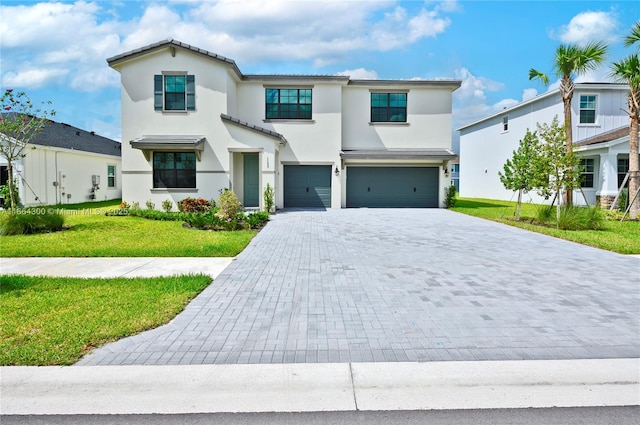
point(392, 187)
point(307, 186)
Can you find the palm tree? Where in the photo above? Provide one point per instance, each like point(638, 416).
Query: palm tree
point(627, 71)
point(570, 61)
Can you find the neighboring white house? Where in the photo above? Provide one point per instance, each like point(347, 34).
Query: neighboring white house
point(600, 136)
point(65, 164)
point(193, 125)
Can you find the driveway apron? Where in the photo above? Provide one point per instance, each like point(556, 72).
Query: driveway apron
point(393, 285)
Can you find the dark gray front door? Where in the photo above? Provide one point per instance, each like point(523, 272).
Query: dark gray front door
point(307, 186)
point(392, 187)
point(251, 180)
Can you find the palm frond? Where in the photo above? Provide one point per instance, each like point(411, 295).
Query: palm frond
point(537, 75)
point(634, 36)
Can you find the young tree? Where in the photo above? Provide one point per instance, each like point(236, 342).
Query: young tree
point(627, 71)
point(571, 60)
point(522, 171)
point(20, 122)
point(561, 167)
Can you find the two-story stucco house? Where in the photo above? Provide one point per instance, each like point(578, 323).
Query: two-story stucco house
point(600, 136)
point(193, 124)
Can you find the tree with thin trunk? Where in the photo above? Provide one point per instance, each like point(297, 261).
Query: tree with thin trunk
point(570, 61)
point(559, 168)
point(20, 122)
point(627, 71)
point(522, 171)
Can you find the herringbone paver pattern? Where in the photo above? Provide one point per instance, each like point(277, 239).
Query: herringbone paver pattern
point(400, 285)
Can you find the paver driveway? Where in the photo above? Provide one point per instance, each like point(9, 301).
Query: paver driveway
point(401, 285)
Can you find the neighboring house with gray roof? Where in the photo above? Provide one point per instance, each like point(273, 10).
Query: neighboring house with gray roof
point(65, 164)
point(600, 134)
point(193, 124)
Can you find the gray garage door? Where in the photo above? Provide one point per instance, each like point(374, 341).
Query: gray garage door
point(392, 187)
point(307, 186)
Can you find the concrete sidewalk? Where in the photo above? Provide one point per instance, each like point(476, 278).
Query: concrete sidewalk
point(318, 387)
point(114, 266)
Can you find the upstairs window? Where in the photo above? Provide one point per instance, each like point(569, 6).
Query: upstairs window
point(588, 109)
point(174, 92)
point(505, 124)
point(288, 104)
point(388, 107)
point(174, 170)
point(587, 165)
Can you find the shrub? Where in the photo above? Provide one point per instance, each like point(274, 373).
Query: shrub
point(230, 210)
point(579, 218)
point(450, 197)
point(31, 221)
point(150, 205)
point(196, 205)
point(545, 213)
point(622, 200)
point(257, 219)
point(157, 215)
point(268, 198)
point(135, 206)
point(167, 205)
point(124, 205)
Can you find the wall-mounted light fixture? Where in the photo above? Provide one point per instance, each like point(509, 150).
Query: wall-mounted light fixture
point(337, 171)
point(446, 170)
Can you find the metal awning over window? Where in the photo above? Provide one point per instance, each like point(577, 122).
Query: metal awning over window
point(148, 144)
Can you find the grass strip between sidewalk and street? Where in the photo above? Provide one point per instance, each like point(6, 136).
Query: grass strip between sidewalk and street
point(620, 237)
point(56, 320)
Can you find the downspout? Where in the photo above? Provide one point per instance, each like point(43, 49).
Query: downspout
point(57, 178)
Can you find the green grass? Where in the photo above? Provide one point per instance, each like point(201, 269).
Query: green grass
point(92, 234)
point(623, 238)
point(55, 321)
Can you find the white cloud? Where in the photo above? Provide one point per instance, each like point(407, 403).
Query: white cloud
point(34, 78)
point(529, 94)
point(359, 74)
point(588, 27)
point(474, 88)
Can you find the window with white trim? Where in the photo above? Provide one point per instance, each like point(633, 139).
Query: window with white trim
point(588, 108)
point(111, 176)
point(505, 123)
point(588, 166)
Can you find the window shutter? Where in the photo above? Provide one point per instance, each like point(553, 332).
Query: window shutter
point(157, 92)
point(191, 92)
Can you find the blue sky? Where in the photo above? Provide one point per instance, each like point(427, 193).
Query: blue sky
point(56, 50)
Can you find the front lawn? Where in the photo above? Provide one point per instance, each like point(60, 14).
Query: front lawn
point(92, 234)
point(623, 238)
point(57, 320)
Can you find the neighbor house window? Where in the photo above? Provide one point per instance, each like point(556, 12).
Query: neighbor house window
point(588, 109)
point(623, 168)
point(111, 176)
point(288, 104)
point(505, 123)
point(587, 165)
point(174, 170)
point(174, 92)
point(388, 107)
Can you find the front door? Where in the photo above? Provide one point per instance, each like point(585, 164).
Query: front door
point(251, 180)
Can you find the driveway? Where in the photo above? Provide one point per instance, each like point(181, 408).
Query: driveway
point(400, 285)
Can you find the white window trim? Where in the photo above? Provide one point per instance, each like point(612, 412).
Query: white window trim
point(597, 111)
point(115, 177)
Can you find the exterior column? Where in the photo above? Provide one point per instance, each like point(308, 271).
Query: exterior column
point(608, 180)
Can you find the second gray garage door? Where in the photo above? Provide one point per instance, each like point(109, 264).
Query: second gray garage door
point(392, 187)
point(307, 186)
